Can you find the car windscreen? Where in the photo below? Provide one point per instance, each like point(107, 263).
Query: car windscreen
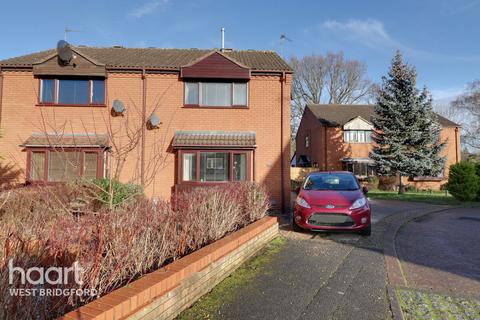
point(331, 181)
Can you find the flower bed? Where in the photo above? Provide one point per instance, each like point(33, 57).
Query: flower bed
point(39, 228)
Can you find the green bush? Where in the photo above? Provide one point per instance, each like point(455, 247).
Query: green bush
point(463, 182)
point(115, 193)
point(477, 171)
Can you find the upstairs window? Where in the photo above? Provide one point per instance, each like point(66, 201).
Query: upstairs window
point(72, 91)
point(357, 136)
point(216, 94)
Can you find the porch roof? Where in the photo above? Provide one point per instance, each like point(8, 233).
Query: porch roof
point(214, 139)
point(66, 140)
point(351, 160)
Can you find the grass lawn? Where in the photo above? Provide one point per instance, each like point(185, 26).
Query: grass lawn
point(207, 307)
point(434, 197)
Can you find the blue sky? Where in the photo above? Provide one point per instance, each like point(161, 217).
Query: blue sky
point(439, 37)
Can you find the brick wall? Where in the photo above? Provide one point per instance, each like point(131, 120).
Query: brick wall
point(166, 292)
point(20, 117)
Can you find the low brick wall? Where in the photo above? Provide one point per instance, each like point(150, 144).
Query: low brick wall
point(166, 292)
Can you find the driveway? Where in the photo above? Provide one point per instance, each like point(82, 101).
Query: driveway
point(441, 252)
point(321, 276)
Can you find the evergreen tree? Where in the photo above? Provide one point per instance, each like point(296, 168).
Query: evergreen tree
point(407, 133)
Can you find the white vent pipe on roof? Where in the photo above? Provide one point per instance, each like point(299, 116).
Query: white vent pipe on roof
point(223, 39)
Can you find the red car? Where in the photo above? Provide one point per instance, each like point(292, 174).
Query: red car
point(332, 201)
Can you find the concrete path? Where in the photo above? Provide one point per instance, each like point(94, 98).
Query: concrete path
point(324, 276)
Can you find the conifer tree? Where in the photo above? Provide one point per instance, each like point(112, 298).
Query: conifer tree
point(407, 134)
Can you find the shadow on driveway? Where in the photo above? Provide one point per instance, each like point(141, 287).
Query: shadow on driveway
point(342, 275)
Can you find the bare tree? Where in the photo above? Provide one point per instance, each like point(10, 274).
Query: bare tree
point(327, 79)
point(469, 104)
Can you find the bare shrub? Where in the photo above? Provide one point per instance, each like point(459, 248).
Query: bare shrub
point(114, 247)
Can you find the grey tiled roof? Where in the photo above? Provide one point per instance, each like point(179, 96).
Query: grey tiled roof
point(340, 114)
point(158, 58)
point(214, 139)
point(66, 140)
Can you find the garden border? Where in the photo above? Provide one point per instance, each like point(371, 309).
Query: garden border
point(164, 293)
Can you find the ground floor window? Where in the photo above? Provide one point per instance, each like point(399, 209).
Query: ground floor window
point(52, 165)
point(214, 165)
point(360, 169)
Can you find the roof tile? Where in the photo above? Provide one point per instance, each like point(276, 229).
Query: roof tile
point(340, 114)
point(66, 140)
point(237, 139)
point(159, 58)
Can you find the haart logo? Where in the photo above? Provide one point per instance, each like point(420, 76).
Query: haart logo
point(40, 275)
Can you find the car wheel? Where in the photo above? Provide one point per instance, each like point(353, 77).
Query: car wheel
point(366, 231)
point(295, 227)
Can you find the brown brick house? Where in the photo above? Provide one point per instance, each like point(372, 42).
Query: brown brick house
point(338, 137)
point(182, 117)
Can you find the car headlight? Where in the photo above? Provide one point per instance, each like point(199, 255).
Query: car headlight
point(302, 202)
point(358, 203)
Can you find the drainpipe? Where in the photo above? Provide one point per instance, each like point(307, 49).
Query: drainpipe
point(325, 158)
point(1, 91)
point(456, 144)
point(144, 123)
point(253, 167)
point(282, 171)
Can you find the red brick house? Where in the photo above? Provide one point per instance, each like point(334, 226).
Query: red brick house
point(338, 137)
point(166, 118)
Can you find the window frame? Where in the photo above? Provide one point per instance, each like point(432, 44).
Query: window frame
point(232, 95)
point(197, 152)
point(101, 162)
point(357, 132)
point(368, 166)
point(56, 103)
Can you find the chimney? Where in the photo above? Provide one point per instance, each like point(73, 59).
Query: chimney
point(223, 39)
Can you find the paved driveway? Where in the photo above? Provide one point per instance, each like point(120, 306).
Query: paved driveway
point(441, 252)
point(320, 276)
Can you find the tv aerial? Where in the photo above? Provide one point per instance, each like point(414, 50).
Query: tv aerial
point(67, 31)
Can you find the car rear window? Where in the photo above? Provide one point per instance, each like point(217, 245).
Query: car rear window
point(331, 181)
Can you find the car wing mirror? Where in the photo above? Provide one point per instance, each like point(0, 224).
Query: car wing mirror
point(365, 189)
point(297, 190)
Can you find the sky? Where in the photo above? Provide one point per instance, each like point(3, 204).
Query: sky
point(439, 37)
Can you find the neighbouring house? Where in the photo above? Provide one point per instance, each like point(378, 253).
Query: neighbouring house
point(169, 119)
point(338, 137)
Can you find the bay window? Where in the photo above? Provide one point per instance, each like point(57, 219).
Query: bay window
point(72, 91)
point(216, 94)
point(200, 166)
point(50, 165)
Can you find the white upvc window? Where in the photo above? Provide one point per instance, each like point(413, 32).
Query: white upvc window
point(357, 136)
point(216, 94)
